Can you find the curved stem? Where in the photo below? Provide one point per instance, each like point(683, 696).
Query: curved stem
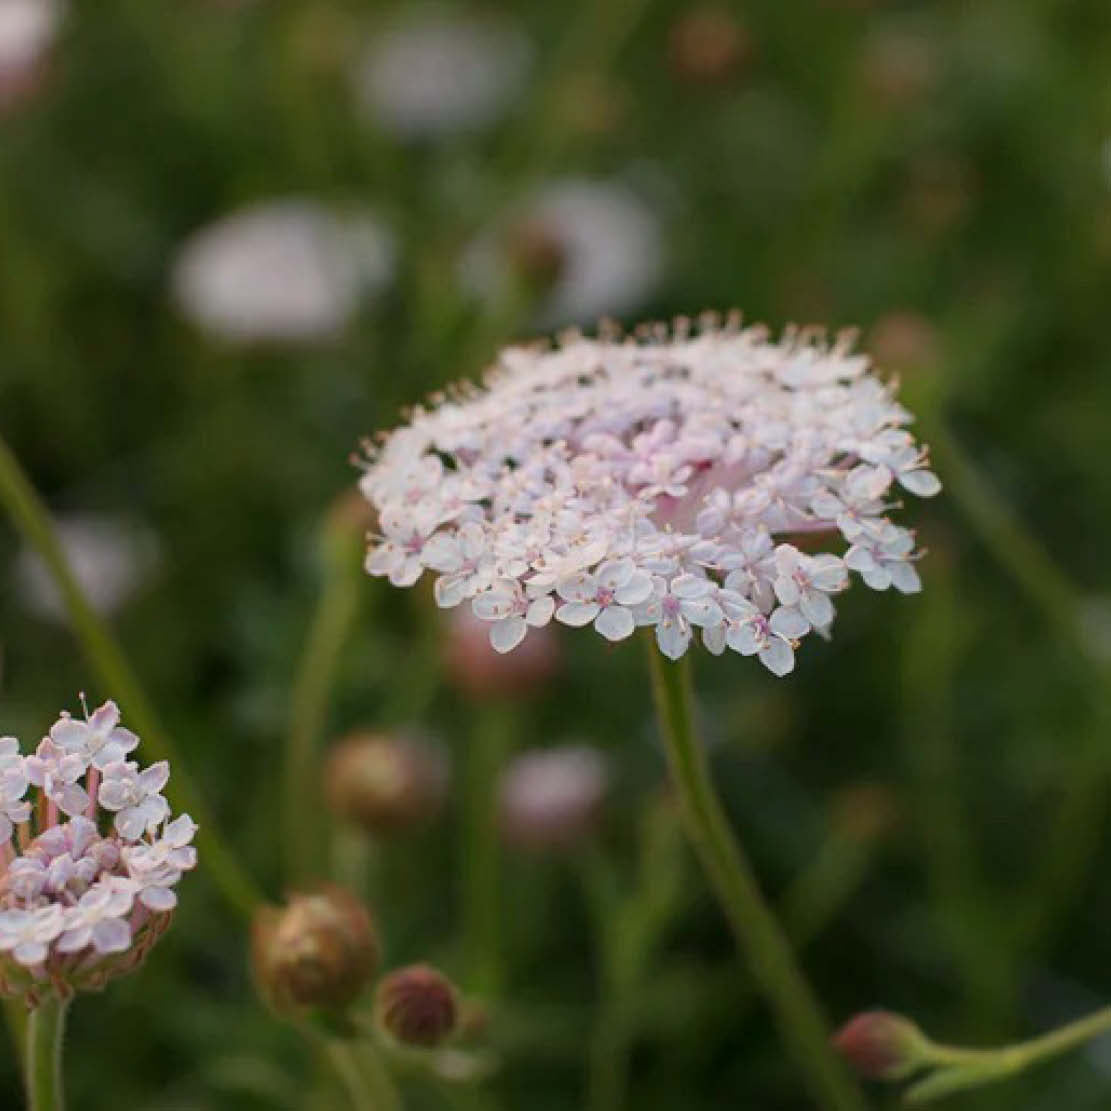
point(106, 656)
point(759, 935)
point(955, 1069)
point(331, 624)
point(45, 1032)
point(1021, 1055)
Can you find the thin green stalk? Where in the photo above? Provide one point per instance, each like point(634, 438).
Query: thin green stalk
point(954, 1068)
point(1022, 1055)
point(345, 1065)
point(359, 1069)
point(332, 622)
point(107, 658)
point(45, 1033)
point(382, 1089)
point(758, 933)
point(481, 873)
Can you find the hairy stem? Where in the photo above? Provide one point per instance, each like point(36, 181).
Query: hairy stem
point(757, 931)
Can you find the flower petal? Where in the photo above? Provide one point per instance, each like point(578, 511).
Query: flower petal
point(505, 635)
point(577, 614)
point(778, 657)
point(615, 623)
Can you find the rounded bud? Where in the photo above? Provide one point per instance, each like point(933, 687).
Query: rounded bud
point(318, 952)
point(882, 1046)
point(481, 672)
point(417, 1006)
point(708, 45)
point(385, 783)
point(552, 798)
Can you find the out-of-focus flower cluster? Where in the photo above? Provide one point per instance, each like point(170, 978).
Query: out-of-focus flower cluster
point(87, 886)
point(671, 480)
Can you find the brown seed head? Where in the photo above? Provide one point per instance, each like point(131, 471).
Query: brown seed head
point(319, 951)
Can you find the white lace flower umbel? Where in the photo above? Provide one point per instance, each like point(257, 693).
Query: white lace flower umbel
point(85, 890)
point(708, 482)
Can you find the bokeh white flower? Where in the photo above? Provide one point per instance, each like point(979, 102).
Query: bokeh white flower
point(111, 557)
point(550, 798)
point(439, 73)
point(28, 29)
point(85, 889)
point(712, 484)
point(282, 271)
point(602, 247)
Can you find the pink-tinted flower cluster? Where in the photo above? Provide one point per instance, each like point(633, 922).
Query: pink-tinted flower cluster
point(681, 479)
point(87, 883)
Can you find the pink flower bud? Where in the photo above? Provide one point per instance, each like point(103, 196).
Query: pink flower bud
point(417, 1006)
point(882, 1045)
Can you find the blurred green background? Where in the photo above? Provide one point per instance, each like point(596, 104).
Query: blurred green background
point(928, 794)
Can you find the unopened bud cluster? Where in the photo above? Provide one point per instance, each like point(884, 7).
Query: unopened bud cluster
point(319, 953)
point(87, 885)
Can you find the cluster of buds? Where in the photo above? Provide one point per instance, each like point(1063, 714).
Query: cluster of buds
point(319, 953)
point(87, 884)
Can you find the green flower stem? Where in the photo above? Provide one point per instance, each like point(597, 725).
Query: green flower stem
point(481, 874)
point(106, 656)
point(341, 1057)
point(336, 610)
point(955, 1069)
point(45, 1032)
point(360, 1071)
point(759, 935)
